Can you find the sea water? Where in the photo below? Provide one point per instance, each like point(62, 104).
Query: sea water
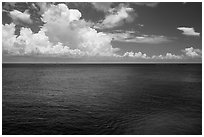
point(101, 99)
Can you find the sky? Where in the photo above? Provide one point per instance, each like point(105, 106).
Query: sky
point(135, 32)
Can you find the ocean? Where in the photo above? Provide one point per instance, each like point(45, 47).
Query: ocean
point(101, 99)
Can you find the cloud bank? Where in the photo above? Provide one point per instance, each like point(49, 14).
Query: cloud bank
point(189, 53)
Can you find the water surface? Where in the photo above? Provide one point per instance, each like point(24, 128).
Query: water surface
point(102, 99)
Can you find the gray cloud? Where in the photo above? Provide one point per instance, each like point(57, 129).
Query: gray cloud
point(149, 4)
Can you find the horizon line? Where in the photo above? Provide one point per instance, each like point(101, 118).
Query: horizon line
point(101, 62)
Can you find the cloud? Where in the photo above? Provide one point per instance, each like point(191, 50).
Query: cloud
point(43, 6)
point(63, 34)
point(64, 25)
point(148, 4)
point(117, 17)
point(168, 56)
point(19, 17)
point(133, 37)
point(191, 52)
point(136, 55)
point(26, 43)
point(152, 39)
point(102, 6)
point(106, 6)
point(8, 37)
point(29, 43)
point(57, 14)
point(188, 31)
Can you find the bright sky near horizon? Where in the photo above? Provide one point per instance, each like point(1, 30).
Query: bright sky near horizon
point(102, 32)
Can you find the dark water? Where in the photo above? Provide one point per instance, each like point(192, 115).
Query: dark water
point(102, 99)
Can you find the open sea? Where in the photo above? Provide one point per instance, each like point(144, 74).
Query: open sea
point(136, 99)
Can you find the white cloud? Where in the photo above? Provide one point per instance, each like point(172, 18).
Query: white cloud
point(59, 13)
point(191, 52)
point(26, 43)
point(19, 17)
point(63, 34)
point(168, 56)
point(32, 43)
point(64, 25)
point(117, 17)
point(136, 55)
point(8, 37)
point(188, 31)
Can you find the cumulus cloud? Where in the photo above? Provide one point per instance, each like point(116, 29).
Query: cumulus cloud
point(168, 56)
point(64, 25)
point(20, 17)
point(63, 33)
point(102, 6)
point(191, 52)
point(188, 31)
point(117, 16)
point(8, 37)
point(26, 43)
point(136, 55)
